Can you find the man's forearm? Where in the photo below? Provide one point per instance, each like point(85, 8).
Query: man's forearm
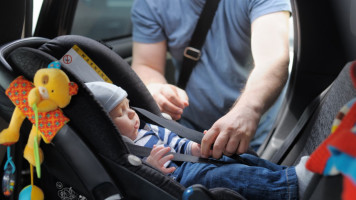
point(263, 87)
point(270, 50)
point(148, 61)
point(148, 75)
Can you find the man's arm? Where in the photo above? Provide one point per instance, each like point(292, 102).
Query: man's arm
point(149, 63)
point(233, 132)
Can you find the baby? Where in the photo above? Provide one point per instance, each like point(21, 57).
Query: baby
point(259, 180)
point(115, 102)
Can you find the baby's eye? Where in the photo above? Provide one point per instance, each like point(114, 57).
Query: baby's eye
point(120, 113)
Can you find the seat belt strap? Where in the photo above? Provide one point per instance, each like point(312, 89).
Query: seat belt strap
point(192, 53)
point(296, 131)
point(173, 126)
point(145, 152)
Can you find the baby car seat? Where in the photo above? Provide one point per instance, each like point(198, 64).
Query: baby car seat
point(88, 158)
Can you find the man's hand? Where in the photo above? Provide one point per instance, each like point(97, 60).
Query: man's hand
point(170, 99)
point(149, 64)
point(158, 158)
point(231, 134)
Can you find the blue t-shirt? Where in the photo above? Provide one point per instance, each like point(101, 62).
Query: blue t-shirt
point(221, 73)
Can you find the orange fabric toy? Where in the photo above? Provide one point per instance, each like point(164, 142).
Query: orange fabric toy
point(49, 122)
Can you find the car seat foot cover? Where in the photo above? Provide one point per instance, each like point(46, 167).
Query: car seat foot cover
point(337, 153)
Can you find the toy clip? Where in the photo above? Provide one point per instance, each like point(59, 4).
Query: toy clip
point(8, 180)
point(55, 64)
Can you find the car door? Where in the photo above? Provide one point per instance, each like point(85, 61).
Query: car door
point(107, 21)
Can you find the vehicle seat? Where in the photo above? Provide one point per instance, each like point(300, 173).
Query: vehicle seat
point(318, 127)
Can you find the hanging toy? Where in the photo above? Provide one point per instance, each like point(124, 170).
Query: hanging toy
point(40, 102)
point(31, 192)
point(8, 180)
point(35, 144)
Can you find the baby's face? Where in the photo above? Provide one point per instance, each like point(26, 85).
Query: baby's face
point(125, 119)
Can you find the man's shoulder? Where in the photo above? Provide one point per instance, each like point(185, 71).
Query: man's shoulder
point(259, 8)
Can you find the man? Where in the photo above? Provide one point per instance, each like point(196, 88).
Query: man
point(242, 70)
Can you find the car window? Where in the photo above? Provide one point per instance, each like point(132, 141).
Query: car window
point(103, 19)
point(36, 11)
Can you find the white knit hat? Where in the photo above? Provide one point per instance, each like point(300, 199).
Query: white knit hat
point(109, 95)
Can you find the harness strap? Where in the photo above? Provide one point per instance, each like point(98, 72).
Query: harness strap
point(182, 131)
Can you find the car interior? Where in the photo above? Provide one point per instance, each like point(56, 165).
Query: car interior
point(324, 48)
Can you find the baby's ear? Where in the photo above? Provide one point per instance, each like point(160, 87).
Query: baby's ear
point(73, 88)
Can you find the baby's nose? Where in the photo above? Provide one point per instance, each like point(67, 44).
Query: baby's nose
point(131, 113)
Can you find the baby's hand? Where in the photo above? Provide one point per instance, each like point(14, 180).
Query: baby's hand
point(158, 157)
point(196, 148)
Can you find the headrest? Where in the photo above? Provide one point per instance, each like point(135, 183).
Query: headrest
point(118, 70)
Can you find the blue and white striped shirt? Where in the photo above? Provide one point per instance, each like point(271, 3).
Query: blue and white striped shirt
point(155, 135)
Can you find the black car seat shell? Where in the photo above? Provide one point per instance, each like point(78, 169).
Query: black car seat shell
point(107, 170)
